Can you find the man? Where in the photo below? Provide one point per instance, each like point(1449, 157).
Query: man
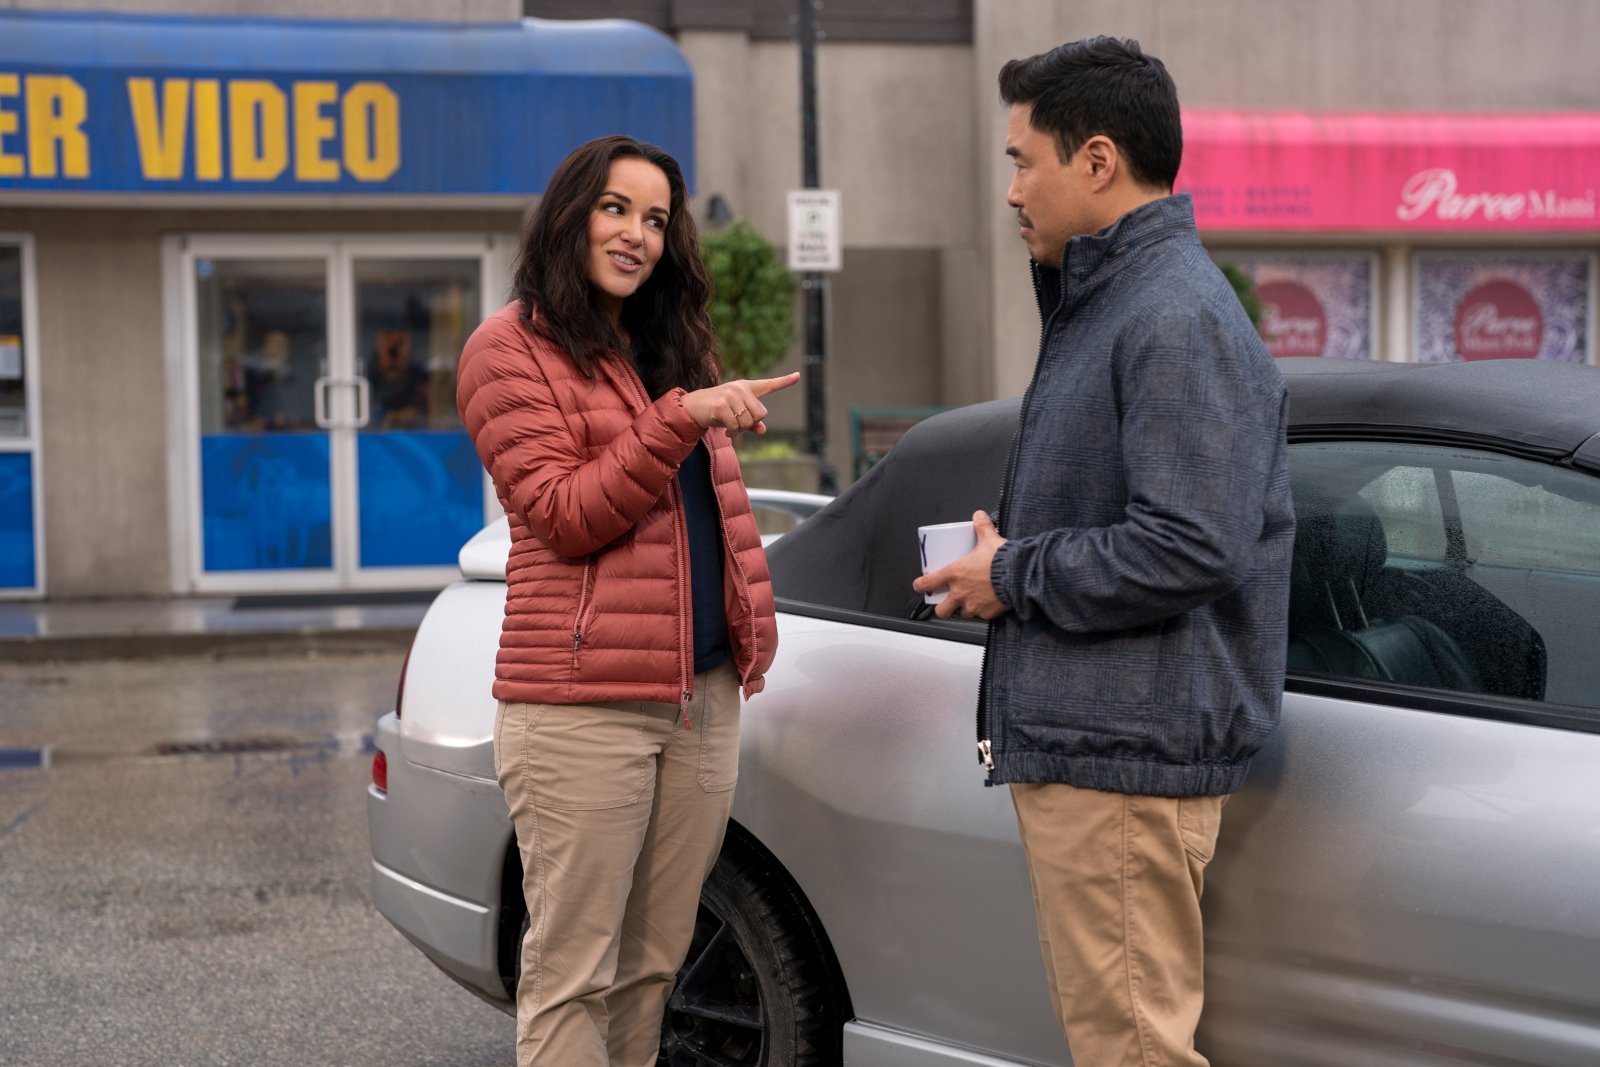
point(1138, 579)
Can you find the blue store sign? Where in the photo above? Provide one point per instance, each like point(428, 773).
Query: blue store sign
point(132, 104)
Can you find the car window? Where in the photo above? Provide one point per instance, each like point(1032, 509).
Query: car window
point(1453, 569)
point(1507, 524)
point(1408, 499)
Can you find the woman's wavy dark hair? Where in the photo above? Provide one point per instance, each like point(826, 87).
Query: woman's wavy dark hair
point(667, 316)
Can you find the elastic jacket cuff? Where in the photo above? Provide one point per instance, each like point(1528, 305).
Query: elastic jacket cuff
point(677, 416)
point(1000, 574)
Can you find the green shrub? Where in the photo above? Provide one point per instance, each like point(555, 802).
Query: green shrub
point(778, 448)
point(752, 299)
point(1244, 286)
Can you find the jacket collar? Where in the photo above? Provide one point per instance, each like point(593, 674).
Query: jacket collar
point(1089, 260)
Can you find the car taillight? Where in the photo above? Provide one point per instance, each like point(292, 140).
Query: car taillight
point(380, 772)
point(400, 689)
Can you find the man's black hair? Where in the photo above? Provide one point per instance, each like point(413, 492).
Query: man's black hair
point(1102, 85)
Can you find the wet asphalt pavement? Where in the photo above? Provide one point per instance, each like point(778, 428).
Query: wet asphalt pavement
point(168, 904)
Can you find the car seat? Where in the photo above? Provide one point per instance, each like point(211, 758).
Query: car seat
point(1336, 599)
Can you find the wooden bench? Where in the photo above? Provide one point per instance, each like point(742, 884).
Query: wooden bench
point(873, 431)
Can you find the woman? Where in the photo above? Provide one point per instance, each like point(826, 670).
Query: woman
point(638, 602)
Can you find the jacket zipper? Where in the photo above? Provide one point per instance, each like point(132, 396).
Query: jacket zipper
point(583, 602)
point(985, 727)
point(685, 622)
point(685, 604)
point(742, 580)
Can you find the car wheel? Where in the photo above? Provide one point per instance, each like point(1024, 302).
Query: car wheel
point(758, 988)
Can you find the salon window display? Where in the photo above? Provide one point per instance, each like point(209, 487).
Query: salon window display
point(1518, 306)
point(1313, 304)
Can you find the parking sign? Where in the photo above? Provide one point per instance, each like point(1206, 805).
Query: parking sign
point(814, 243)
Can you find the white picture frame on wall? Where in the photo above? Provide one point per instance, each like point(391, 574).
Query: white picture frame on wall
point(1503, 303)
point(1315, 302)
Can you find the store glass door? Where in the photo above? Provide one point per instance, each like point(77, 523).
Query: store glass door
point(329, 454)
point(420, 493)
point(266, 492)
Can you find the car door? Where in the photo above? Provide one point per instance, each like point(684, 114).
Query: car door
point(1406, 878)
point(859, 769)
point(860, 774)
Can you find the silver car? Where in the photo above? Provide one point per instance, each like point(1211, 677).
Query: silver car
point(1408, 876)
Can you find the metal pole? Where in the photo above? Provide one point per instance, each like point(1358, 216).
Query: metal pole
point(814, 283)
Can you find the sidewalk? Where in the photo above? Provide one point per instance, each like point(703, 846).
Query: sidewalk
point(97, 629)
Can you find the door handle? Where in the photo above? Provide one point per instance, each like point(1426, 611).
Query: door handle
point(363, 401)
point(319, 402)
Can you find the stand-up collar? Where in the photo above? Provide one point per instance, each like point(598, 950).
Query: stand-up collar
point(1089, 259)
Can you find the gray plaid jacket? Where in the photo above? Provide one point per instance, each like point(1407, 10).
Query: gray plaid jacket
point(1149, 524)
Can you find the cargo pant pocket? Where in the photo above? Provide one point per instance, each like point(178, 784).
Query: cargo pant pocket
point(582, 757)
point(1199, 821)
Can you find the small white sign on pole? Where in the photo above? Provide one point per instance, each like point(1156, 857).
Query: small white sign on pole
point(814, 243)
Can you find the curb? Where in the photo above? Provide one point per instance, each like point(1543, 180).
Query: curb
point(208, 643)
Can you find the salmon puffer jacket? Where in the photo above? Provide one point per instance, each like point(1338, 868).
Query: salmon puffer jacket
point(598, 599)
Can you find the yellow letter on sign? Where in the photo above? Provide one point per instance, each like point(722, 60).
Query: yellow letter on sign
point(258, 124)
point(371, 131)
point(208, 129)
point(313, 129)
point(161, 129)
point(10, 166)
point(57, 106)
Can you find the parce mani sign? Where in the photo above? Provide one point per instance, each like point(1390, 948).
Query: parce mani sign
point(1437, 191)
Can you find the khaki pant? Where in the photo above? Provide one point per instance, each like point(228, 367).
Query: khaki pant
point(619, 813)
point(1116, 889)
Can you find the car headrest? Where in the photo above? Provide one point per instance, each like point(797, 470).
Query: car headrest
point(1339, 550)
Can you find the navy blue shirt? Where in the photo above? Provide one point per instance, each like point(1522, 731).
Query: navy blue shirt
point(703, 519)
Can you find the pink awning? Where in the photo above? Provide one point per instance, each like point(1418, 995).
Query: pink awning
point(1392, 172)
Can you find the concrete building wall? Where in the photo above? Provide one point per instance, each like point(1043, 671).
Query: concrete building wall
point(896, 138)
point(1422, 55)
point(888, 345)
point(102, 409)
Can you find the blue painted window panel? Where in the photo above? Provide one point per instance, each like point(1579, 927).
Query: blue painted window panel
point(17, 567)
point(266, 501)
point(421, 496)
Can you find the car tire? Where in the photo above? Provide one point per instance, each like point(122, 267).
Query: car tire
point(759, 987)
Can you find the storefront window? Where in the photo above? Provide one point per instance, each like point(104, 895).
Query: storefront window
point(13, 398)
point(19, 562)
point(1503, 306)
point(413, 318)
point(420, 480)
point(264, 394)
point(1313, 303)
point(325, 385)
point(263, 343)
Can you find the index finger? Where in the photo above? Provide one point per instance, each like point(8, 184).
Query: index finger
point(927, 583)
point(763, 386)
